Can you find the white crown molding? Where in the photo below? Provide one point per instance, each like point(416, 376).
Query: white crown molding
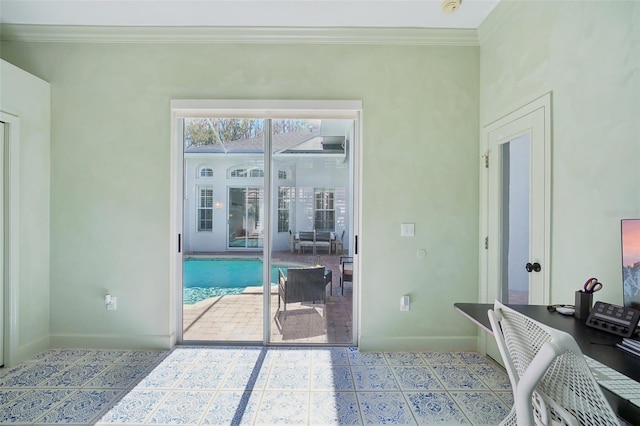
point(239, 35)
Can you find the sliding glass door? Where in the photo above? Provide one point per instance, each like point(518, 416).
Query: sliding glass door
point(311, 188)
point(268, 221)
point(223, 257)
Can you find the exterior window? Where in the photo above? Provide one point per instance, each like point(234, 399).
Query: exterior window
point(284, 208)
point(282, 174)
point(324, 211)
point(238, 173)
point(205, 208)
point(206, 172)
point(243, 172)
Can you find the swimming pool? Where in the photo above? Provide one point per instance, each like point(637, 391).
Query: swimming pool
point(205, 278)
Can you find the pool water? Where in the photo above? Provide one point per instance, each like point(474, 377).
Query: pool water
point(205, 278)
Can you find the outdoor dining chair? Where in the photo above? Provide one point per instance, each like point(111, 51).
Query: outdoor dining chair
point(346, 271)
point(301, 285)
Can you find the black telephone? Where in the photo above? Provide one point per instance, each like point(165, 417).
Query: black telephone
point(614, 319)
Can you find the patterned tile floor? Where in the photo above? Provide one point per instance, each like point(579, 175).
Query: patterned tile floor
point(254, 385)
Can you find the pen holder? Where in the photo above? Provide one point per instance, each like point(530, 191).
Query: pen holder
point(583, 304)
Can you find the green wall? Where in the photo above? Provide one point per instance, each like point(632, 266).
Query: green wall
point(587, 54)
point(110, 176)
point(423, 108)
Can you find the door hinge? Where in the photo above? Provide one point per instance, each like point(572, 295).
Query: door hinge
point(486, 243)
point(486, 160)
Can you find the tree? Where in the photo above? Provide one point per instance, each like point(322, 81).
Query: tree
point(212, 131)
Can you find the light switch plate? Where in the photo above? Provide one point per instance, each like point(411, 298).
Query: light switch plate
point(407, 230)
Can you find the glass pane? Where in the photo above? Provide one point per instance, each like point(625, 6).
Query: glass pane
point(515, 220)
point(312, 193)
point(246, 210)
point(223, 296)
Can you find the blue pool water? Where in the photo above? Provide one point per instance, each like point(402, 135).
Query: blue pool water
point(205, 278)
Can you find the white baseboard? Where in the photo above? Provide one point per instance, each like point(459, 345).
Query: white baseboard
point(435, 344)
point(27, 351)
point(111, 341)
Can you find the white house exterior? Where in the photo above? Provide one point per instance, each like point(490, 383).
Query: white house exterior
point(223, 206)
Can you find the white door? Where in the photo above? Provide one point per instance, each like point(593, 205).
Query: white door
point(2, 243)
point(518, 205)
point(515, 215)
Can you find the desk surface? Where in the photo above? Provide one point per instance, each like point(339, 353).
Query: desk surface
point(596, 344)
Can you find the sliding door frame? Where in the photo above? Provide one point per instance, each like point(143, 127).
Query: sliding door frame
point(267, 109)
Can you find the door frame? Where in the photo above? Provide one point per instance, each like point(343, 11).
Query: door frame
point(542, 171)
point(9, 297)
point(180, 108)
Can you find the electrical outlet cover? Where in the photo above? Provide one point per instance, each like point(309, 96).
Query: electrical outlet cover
point(407, 230)
point(112, 306)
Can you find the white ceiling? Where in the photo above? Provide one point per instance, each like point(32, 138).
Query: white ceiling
point(246, 13)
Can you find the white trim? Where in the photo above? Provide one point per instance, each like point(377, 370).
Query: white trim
point(541, 103)
point(11, 346)
point(268, 180)
point(28, 350)
point(111, 341)
point(3, 247)
point(357, 176)
point(239, 35)
point(418, 343)
point(343, 109)
point(237, 108)
point(176, 197)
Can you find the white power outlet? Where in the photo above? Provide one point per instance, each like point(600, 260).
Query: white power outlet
point(404, 303)
point(112, 306)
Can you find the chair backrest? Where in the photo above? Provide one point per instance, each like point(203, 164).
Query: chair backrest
point(346, 267)
point(323, 236)
point(307, 235)
point(304, 284)
point(550, 378)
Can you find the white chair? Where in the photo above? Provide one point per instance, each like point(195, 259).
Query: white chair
point(551, 382)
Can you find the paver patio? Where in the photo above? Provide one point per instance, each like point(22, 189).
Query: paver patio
point(239, 317)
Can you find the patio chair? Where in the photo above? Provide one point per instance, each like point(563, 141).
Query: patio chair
point(323, 240)
point(549, 376)
point(301, 285)
point(346, 271)
point(338, 243)
point(306, 239)
point(292, 242)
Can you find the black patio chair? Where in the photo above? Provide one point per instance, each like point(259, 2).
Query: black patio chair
point(301, 285)
point(346, 271)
